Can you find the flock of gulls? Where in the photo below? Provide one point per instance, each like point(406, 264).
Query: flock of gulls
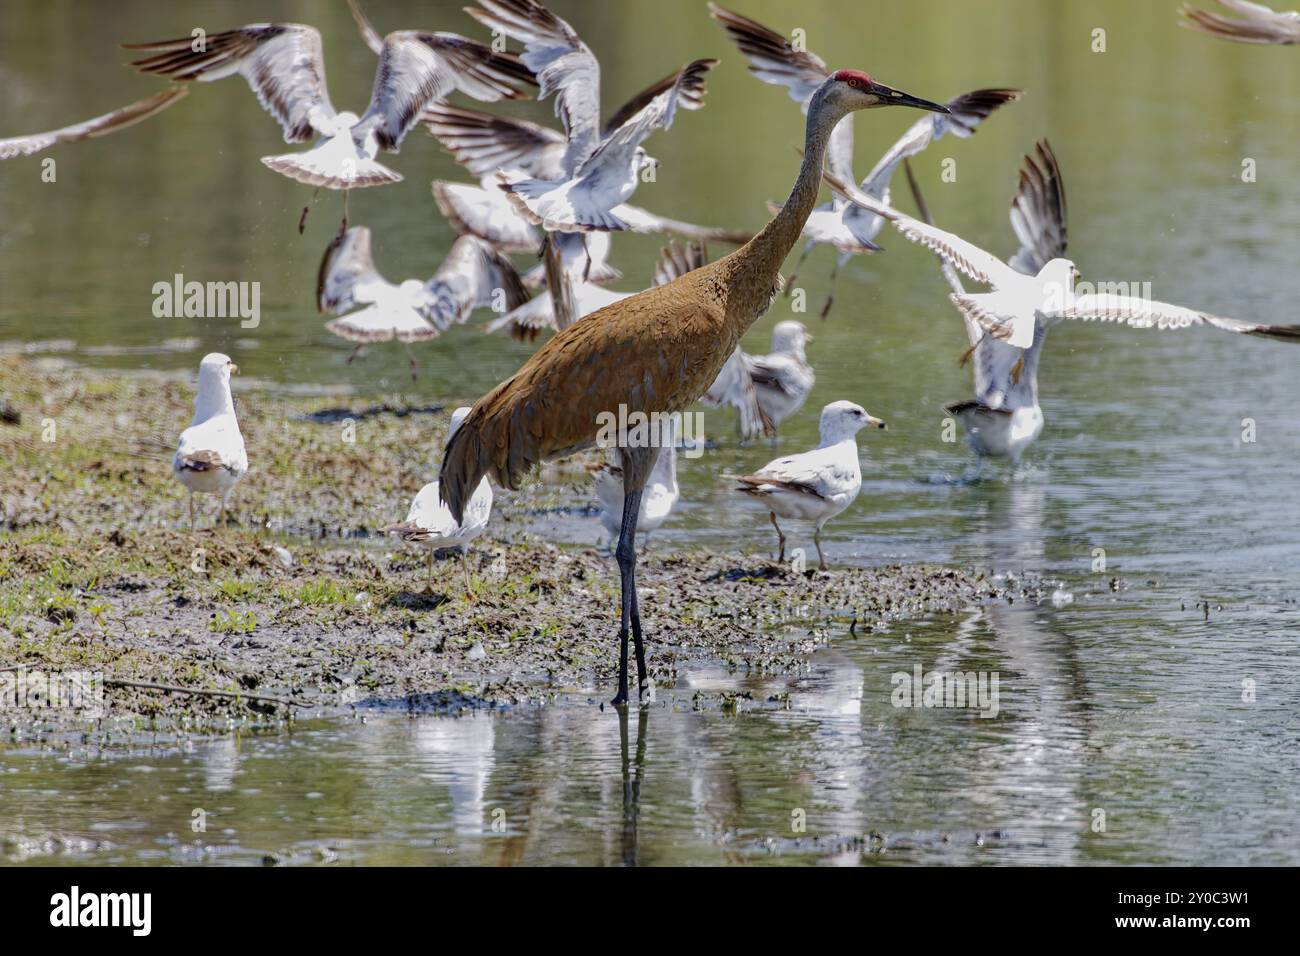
point(560, 195)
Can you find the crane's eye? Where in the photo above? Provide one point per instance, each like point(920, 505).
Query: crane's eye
point(854, 83)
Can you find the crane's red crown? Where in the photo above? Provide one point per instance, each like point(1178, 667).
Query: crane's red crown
point(855, 78)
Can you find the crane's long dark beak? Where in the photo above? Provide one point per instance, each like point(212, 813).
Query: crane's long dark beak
point(892, 97)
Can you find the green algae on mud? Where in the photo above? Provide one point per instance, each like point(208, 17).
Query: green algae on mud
point(94, 575)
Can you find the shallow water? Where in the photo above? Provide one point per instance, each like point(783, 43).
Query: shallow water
point(1128, 698)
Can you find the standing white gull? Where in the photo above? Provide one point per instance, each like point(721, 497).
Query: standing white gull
point(839, 223)
point(430, 525)
point(815, 485)
point(474, 275)
point(1254, 23)
point(284, 65)
point(601, 165)
point(211, 457)
point(99, 126)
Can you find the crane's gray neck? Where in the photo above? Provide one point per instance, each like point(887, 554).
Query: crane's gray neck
point(759, 261)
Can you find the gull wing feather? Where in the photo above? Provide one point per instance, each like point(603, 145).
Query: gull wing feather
point(1255, 23)
point(468, 279)
point(1150, 314)
point(347, 276)
point(966, 112)
point(485, 213)
point(564, 65)
point(686, 90)
point(819, 472)
point(282, 63)
point(99, 126)
point(483, 143)
point(1039, 217)
point(734, 386)
point(772, 58)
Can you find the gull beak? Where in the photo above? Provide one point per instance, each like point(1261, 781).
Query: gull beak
point(809, 338)
point(234, 369)
point(892, 97)
point(876, 422)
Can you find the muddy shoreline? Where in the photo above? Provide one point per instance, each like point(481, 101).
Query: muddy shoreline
point(281, 614)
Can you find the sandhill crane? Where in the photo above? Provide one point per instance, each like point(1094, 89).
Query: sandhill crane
point(99, 126)
point(839, 223)
point(210, 457)
point(474, 275)
point(657, 351)
point(284, 65)
point(661, 491)
point(1018, 303)
point(1005, 418)
point(601, 166)
point(815, 485)
point(430, 525)
point(1254, 23)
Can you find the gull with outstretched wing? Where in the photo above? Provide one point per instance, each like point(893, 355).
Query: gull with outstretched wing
point(1018, 302)
point(1034, 291)
point(285, 67)
point(601, 164)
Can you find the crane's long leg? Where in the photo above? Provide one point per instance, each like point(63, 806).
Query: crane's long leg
point(626, 555)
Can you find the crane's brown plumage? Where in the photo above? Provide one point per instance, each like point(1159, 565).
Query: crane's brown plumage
point(657, 351)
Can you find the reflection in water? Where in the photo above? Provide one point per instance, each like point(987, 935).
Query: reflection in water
point(633, 774)
point(460, 755)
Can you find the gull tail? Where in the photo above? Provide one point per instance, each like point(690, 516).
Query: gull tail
point(407, 531)
point(329, 166)
point(559, 207)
